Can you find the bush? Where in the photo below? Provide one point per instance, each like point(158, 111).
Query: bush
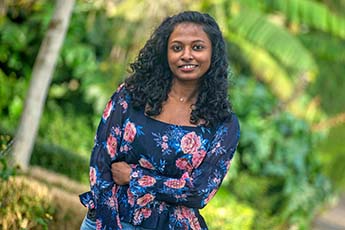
point(277, 168)
point(60, 160)
point(24, 204)
point(225, 212)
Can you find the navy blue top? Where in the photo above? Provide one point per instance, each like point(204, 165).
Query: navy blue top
point(176, 169)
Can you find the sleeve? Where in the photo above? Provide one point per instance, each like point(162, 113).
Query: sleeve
point(193, 189)
point(106, 150)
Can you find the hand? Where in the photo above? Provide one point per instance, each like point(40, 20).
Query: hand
point(121, 172)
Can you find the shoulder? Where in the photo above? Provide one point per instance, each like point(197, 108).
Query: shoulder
point(120, 94)
point(229, 129)
point(231, 123)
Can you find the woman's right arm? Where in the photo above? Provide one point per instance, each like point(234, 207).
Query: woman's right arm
point(106, 150)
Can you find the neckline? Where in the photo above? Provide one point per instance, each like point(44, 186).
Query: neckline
point(171, 124)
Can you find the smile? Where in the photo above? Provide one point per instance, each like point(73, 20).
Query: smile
point(187, 67)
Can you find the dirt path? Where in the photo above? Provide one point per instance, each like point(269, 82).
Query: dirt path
point(65, 191)
point(333, 218)
point(65, 194)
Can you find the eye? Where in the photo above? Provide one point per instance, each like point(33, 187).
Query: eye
point(176, 47)
point(198, 47)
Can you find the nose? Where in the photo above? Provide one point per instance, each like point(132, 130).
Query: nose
point(187, 55)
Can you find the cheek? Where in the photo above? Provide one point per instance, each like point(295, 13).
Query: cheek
point(172, 60)
point(206, 61)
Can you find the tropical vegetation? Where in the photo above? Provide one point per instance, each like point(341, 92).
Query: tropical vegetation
point(287, 62)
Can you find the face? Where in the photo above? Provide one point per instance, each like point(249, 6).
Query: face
point(189, 52)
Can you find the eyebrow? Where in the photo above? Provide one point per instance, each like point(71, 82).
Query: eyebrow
point(177, 41)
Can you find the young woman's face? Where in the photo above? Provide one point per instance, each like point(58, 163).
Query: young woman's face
point(189, 52)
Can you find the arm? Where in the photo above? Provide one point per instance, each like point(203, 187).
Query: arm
point(193, 189)
point(105, 150)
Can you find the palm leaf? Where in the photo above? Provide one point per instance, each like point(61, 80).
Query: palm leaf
point(264, 66)
point(257, 29)
point(324, 46)
point(311, 13)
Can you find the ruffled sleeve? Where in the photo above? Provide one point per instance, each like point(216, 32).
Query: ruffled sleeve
point(108, 137)
point(193, 189)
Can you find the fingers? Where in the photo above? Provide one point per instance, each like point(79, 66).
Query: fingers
point(121, 172)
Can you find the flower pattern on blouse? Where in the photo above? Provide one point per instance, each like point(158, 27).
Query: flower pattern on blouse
point(176, 170)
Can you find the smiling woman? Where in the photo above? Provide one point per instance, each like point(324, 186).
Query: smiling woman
point(167, 135)
point(189, 52)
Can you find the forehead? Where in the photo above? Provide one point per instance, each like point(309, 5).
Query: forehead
point(188, 31)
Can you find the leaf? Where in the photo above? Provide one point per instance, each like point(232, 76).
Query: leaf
point(265, 67)
point(258, 30)
point(311, 13)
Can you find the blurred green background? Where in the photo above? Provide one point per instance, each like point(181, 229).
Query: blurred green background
point(287, 86)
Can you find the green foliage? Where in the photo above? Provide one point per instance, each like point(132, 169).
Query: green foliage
point(24, 205)
point(275, 180)
point(60, 160)
point(229, 213)
point(329, 89)
point(277, 160)
point(256, 28)
point(59, 126)
point(5, 169)
point(312, 13)
point(332, 153)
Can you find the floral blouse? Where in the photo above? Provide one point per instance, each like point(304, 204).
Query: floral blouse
point(176, 170)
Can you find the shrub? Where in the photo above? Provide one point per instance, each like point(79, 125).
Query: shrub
point(277, 169)
point(60, 160)
point(225, 212)
point(24, 204)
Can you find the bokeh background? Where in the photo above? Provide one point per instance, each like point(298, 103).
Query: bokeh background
point(287, 87)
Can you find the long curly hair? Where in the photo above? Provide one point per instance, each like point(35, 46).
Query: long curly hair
point(151, 79)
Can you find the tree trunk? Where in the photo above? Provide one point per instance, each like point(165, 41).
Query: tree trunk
point(42, 74)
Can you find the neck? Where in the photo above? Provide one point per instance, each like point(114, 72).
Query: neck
point(184, 92)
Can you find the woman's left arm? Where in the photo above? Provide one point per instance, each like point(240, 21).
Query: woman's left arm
point(193, 189)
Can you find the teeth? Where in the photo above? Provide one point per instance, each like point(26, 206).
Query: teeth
point(188, 66)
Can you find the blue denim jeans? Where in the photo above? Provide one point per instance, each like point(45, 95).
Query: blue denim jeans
point(91, 225)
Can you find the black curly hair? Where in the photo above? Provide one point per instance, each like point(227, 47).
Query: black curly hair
point(151, 79)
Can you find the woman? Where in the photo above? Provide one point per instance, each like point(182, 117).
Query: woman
point(167, 135)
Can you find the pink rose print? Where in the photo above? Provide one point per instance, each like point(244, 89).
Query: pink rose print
point(162, 206)
point(210, 196)
point(146, 212)
point(111, 202)
point(124, 105)
point(91, 204)
point(107, 110)
point(228, 166)
point(120, 87)
point(93, 176)
point(194, 223)
point(130, 132)
point(137, 218)
point(146, 181)
point(190, 143)
point(144, 200)
point(111, 146)
point(145, 164)
point(184, 213)
point(198, 158)
point(98, 224)
point(165, 138)
point(165, 146)
point(140, 214)
point(117, 131)
point(130, 197)
point(183, 164)
point(177, 183)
